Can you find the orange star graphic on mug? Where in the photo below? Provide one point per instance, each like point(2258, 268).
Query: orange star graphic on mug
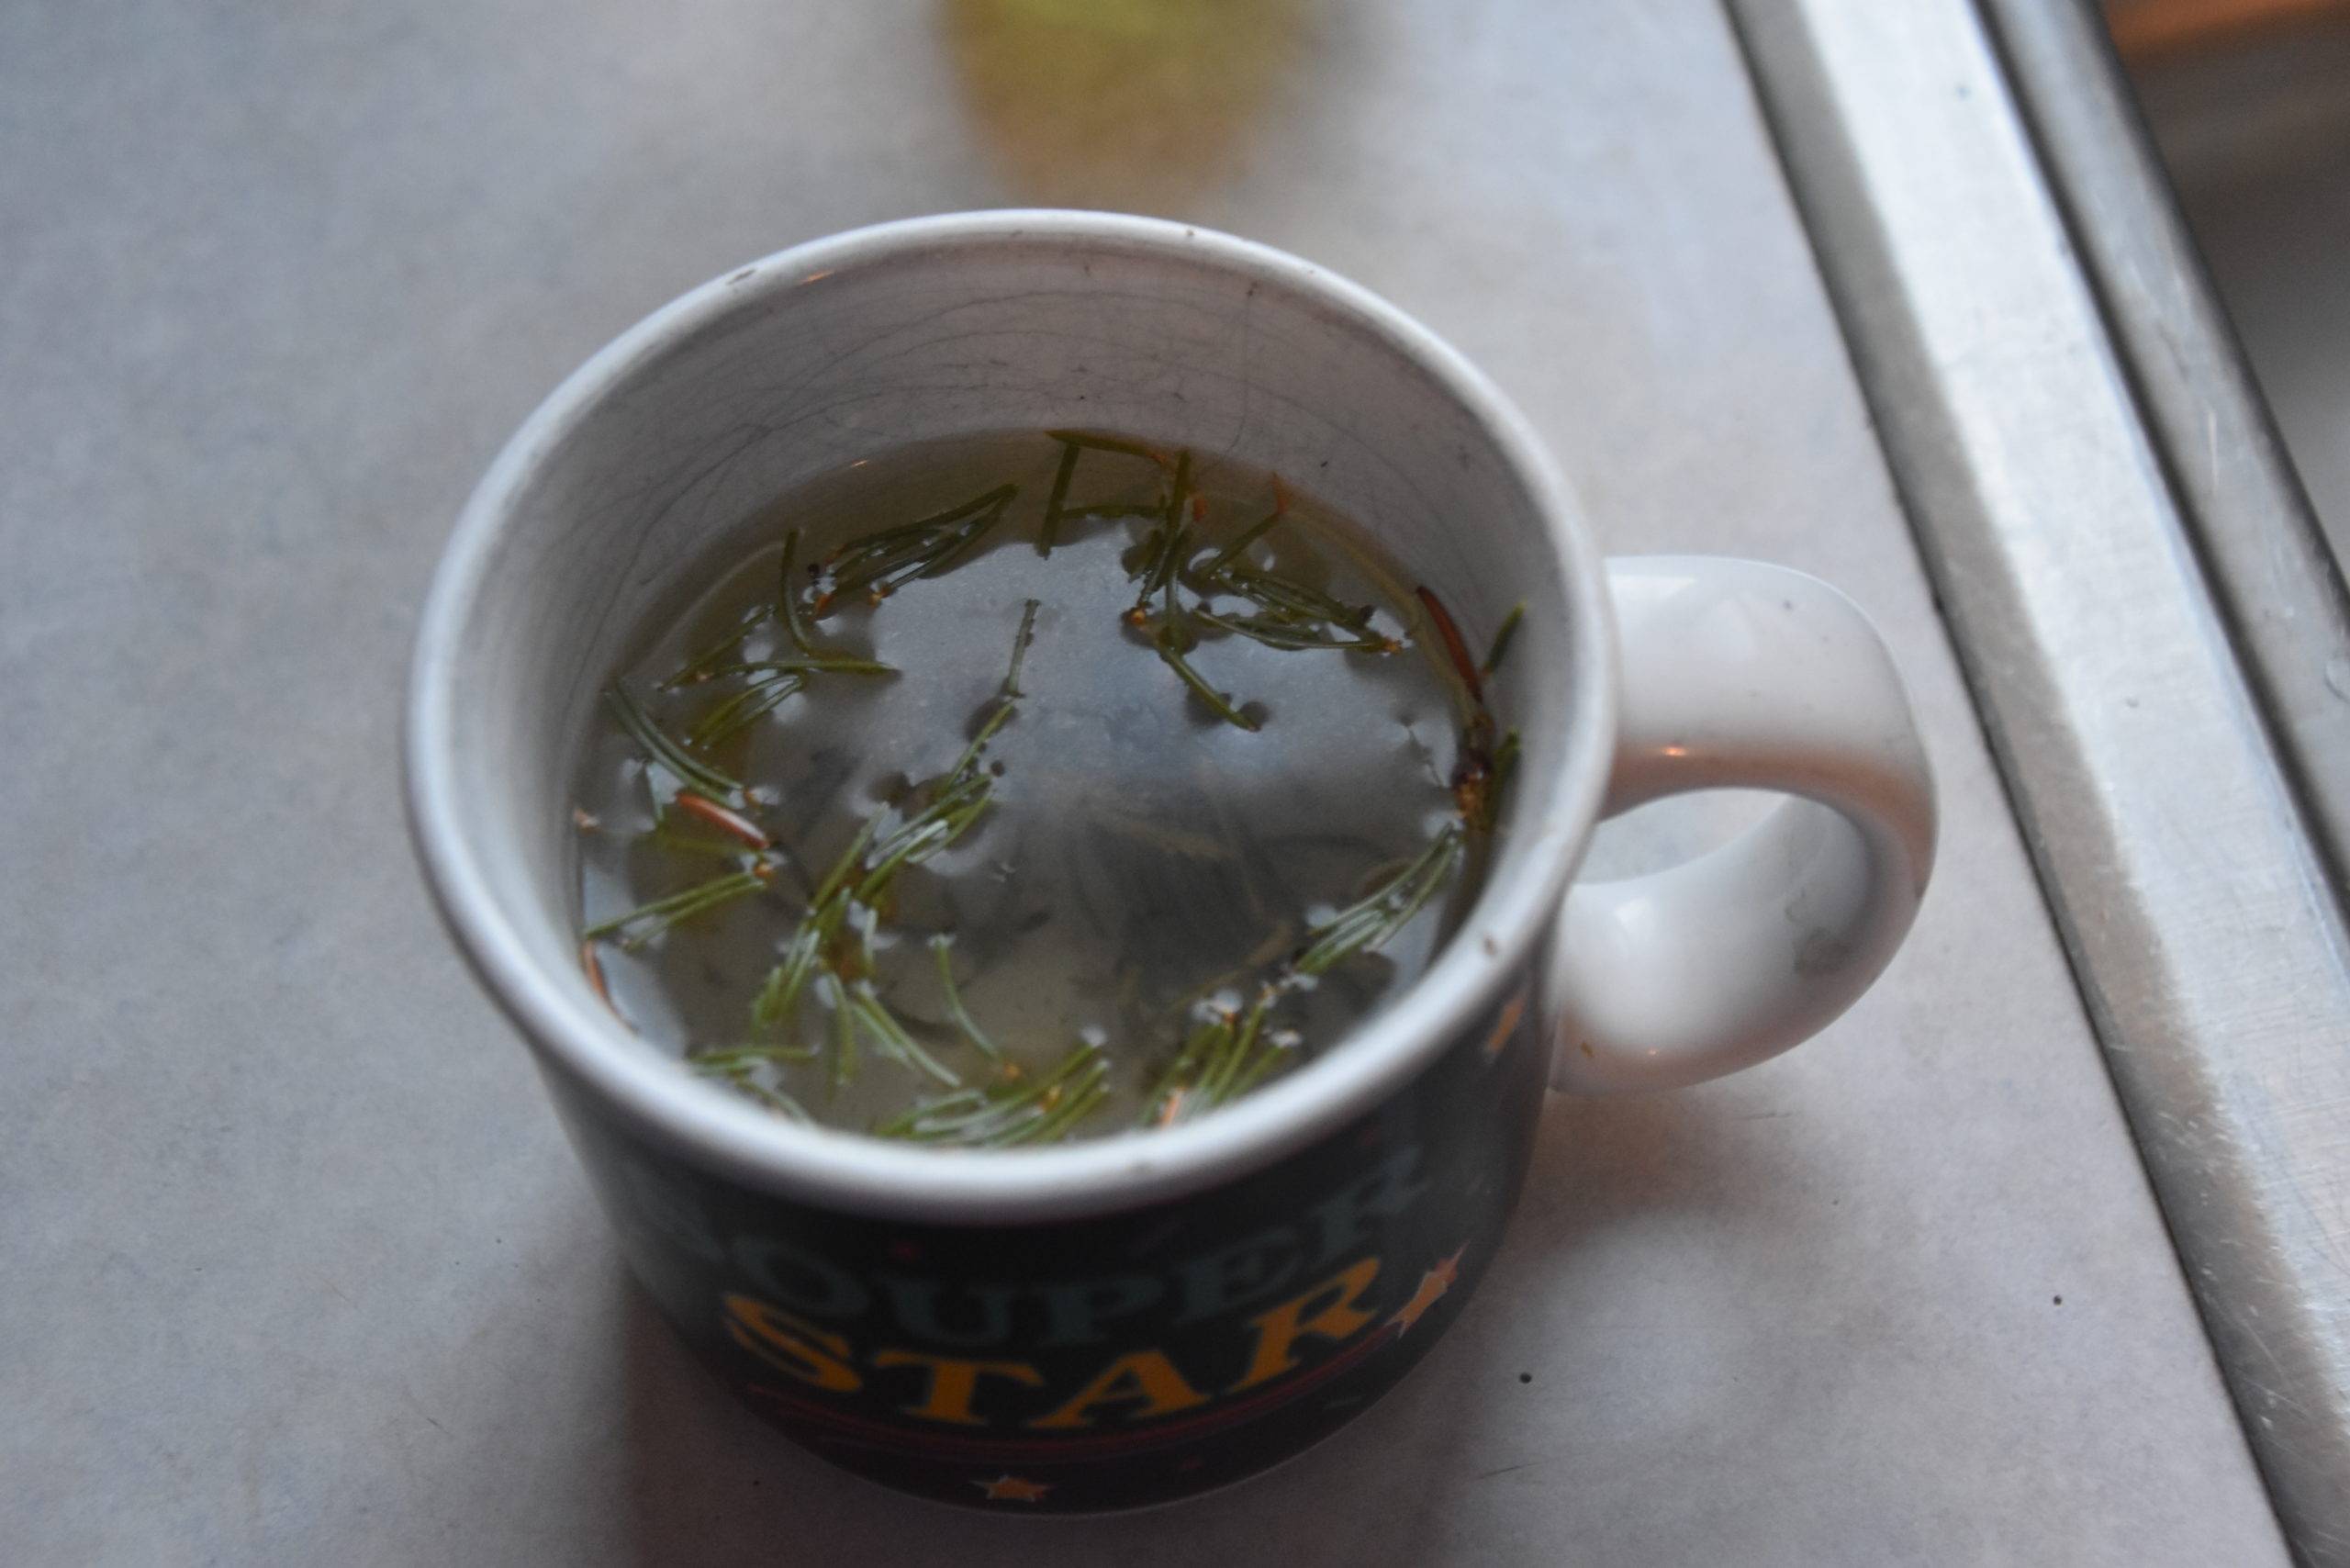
point(1505, 1025)
point(1009, 1488)
point(1433, 1284)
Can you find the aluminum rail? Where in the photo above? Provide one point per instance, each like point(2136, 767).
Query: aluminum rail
point(2127, 571)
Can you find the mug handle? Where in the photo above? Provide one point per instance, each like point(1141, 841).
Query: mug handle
point(1737, 675)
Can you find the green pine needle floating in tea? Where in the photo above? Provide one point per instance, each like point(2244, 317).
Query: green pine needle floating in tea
point(943, 946)
point(697, 667)
point(1015, 1110)
point(788, 606)
point(1366, 926)
point(1231, 553)
point(645, 922)
point(1049, 531)
point(1075, 444)
point(1230, 1050)
point(1173, 640)
point(1276, 632)
point(831, 663)
point(881, 564)
point(1501, 639)
point(733, 714)
point(661, 750)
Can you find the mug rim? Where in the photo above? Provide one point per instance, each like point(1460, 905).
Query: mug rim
point(851, 1172)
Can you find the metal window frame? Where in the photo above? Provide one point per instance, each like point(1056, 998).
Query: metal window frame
point(2150, 620)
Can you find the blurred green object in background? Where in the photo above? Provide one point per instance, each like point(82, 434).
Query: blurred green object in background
point(1135, 104)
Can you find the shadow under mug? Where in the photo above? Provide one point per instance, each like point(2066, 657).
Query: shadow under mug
point(1129, 1320)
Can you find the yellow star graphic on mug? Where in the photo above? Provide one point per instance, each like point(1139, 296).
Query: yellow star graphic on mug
point(1009, 1488)
point(1433, 1284)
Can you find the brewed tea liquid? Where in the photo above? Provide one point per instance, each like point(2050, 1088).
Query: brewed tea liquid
point(1141, 870)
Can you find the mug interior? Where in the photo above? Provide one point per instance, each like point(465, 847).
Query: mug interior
point(606, 508)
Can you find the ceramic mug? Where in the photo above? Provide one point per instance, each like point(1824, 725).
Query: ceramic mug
point(1131, 1319)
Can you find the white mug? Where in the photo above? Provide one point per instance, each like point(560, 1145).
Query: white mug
point(1128, 1320)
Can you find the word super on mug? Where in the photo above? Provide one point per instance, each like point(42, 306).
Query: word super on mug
point(1131, 1319)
